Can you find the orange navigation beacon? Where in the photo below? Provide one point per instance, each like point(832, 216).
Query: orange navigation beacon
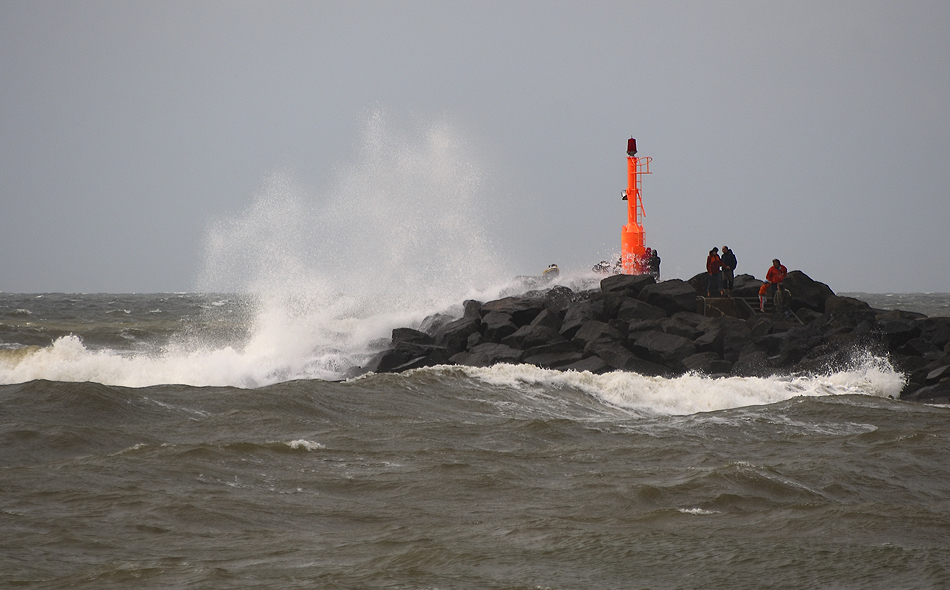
point(633, 252)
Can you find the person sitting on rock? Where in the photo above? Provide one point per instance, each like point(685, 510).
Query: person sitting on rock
point(783, 301)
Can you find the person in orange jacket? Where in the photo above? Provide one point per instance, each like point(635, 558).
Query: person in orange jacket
point(775, 275)
point(763, 293)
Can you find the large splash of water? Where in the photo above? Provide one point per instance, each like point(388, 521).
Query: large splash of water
point(399, 238)
point(323, 277)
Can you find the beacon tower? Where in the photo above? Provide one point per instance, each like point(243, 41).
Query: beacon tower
point(633, 252)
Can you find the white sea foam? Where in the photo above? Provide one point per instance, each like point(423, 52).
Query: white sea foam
point(690, 394)
point(306, 445)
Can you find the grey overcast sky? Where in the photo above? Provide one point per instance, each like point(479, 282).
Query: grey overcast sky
point(816, 132)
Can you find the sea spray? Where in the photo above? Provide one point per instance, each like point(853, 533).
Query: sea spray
point(313, 285)
point(399, 238)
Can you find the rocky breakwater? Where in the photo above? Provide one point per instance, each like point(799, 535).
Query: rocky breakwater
point(632, 323)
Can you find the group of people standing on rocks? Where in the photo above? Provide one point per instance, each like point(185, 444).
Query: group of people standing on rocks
point(721, 270)
point(722, 274)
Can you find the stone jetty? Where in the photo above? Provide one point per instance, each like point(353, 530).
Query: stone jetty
point(667, 328)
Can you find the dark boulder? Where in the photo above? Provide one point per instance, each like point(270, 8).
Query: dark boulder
point(521, 309)
point(938, 374)
point(547, 318)
point(454, 335)
point(754, 363)
point(936, 330)
point(634, 309)
point(807, 292)
point(918, 347)
point(497, 325)
point(662, 348)
point(432, 323)
point(471, 308)
point(707, 363)
point(671, 296)
point(680, 327)
point(629, 285)
point(618, 288)
point(618, 357)
point(412, 336)
point(593, 330)
point(700, 283)
point(557, 299)
point(848, 312)
point(406, 355)
point(533, 335)
point(897, 332)
point(725, 336)
point(553, 360)
point(746, 285)
point(488, 354)
point(938, 393)
point(576, 315)
point(761, 326)
point(591, 364)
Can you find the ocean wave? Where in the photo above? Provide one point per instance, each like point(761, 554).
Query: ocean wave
point(691, 393)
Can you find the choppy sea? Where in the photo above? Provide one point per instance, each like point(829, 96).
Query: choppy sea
point(206, 441)
point(176, 441)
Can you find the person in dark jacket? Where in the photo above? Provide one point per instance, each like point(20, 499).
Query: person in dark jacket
point(728, 269)
point(783, 301)
point(655, 265)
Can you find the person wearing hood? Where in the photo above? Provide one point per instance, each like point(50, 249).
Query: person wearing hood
point(728, 269)
point(714, 269)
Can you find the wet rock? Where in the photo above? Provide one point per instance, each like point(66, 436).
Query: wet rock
point(618, 357)
point(593, 330)
point(633, 309)
point(407, 355)
point(471, 308)
point(521, 309)
point(897, 332)
point(575, 316)
point(671, 296)
point(806, 292)
point(558, 299)
point(707, 363)
point(548, 319)
point(412, 336)
point(753, 364)
point(938, 393)
point(554, 360)
point(488, 354)
point(592, 364)
point(454, 335)
point(497, 325)
point(662, 348)
point(532, 335)
point(629, 285)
